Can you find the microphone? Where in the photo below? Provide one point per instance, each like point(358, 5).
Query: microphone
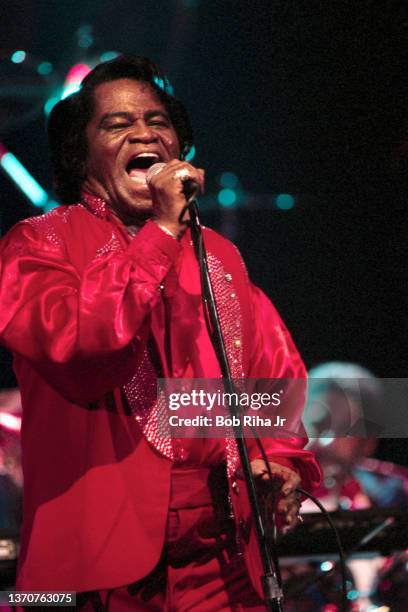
point(153, 170)
point(190, 187)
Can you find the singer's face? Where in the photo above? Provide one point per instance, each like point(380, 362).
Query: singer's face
point(130, 130)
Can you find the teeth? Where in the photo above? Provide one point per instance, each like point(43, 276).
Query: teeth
point(146, 155)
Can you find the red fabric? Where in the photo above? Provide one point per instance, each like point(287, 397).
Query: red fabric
point(199, 572)
point(78, 301)
point(200, 568)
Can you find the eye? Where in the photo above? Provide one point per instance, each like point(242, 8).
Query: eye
point(118, 126)
point(159, 122)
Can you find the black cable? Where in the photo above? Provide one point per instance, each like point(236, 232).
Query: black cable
point(342, 556)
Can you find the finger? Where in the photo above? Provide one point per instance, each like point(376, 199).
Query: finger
point(292, 480)
point(292, 514)
point(288, 506)
point(172, 177)
point(284, 505)
point(289, 521)
point(259, 469)
point(185, 172)
point(288, 528)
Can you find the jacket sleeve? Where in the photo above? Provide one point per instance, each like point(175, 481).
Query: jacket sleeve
point(274, 356)
point(83, 331)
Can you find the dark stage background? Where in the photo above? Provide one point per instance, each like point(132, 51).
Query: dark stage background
point(306, 98)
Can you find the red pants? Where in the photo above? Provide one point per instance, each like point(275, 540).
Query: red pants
point(200, 569)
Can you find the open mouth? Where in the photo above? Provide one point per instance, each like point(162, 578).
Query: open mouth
point(141, 163)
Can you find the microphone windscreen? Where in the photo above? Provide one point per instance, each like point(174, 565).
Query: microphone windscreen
point(153, 170)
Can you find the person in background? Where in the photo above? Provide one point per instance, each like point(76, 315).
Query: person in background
point(342, 393)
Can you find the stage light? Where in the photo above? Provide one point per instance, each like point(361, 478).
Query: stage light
point(74, 78)
point(326, 439)
point(227, 197)
point(326, 566)
point(108, 55)
point(24, 181)
point(71, 85)
point(228, 180)
point(10, 421)
point(165, 85)
point(49, 205)
point(352, 595)
point(44, 68)
point(50, 103)
point(285, 201)
point(18, 57)
point(191, 154)
point(69, 90)
point(85, 36)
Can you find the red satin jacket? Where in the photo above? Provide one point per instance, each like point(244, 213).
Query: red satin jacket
point(80, 302)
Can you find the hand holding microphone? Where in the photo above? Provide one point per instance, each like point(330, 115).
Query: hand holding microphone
point(172, 185)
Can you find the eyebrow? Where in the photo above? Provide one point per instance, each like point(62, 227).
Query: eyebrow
point(129, 115)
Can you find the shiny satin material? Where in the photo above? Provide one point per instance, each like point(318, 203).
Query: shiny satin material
point(81, 303)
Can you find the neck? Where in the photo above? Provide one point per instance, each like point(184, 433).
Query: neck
point(129, 221)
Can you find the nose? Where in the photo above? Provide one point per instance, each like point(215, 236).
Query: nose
point(142, 132)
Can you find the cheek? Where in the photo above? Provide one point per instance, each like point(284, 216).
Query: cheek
point(101, 158)
point(171, 143)
point(168, 141)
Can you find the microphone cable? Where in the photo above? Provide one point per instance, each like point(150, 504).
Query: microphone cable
point(273, 531)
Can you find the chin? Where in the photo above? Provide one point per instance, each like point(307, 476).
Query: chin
point(138, 208)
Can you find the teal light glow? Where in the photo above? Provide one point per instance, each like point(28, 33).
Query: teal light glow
point(227, 197)
point(285, 201)
point(23, 179)
point(70, 89)
point(44, 68)
point(326, 566)
point(165, 85)
point(191, 154)
point(50, 103)
point(85, 41)
point(49, 205)
point(352, 595)
point(325, 440)
point(85, 36)
point(108, 55)
point(228, 179)
point(18, 57)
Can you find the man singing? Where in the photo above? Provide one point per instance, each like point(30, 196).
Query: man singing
point(99, 298)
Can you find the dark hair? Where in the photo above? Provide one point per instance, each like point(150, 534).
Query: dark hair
point(69, 118)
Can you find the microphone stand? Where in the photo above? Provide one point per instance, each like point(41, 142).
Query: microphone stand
point(272, 591)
